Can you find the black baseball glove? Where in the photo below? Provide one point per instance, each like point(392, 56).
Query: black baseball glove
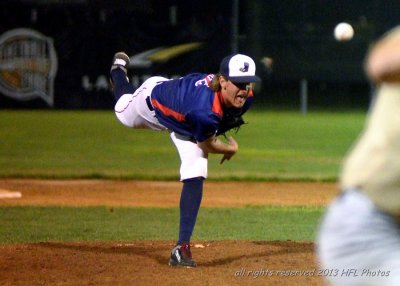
point(230, 120)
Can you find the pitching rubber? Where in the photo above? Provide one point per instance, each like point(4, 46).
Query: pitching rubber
point(5, 194)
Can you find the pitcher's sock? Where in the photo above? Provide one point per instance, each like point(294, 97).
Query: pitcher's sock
point(121, 83)
point(192, 193)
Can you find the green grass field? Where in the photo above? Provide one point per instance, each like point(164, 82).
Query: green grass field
point(39, 224)
point(92, 144)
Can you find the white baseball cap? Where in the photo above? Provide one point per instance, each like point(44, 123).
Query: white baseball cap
point(239, 69)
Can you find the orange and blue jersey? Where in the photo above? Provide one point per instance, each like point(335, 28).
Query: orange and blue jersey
point(188, 106)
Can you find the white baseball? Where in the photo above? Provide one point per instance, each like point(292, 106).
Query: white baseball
point(343, 32)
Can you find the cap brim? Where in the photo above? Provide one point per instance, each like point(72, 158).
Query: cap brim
point(244, 79)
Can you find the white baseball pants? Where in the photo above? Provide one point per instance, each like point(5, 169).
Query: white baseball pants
point(133, 111)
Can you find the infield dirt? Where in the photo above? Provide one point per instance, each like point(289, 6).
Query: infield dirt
point(145, 262)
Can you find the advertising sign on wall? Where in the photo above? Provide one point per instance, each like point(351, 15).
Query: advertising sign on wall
point(28, 65)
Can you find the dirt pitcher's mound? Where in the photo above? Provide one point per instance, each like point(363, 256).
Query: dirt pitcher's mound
point(145, 263)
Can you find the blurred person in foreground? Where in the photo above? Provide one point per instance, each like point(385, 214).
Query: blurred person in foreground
point(359, 237)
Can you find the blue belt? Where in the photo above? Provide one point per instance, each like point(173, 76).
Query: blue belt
point(148, 102)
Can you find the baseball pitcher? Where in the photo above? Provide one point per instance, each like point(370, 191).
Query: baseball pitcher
point(194, 109)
